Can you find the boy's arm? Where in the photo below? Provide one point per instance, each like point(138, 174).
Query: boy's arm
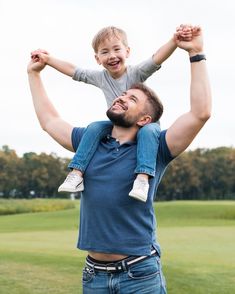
point(64, 67)
point(164, 51)
point(184, 32)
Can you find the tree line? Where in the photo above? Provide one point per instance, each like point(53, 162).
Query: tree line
point(198, 174)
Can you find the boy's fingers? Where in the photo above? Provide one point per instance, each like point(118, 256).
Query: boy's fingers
point(39, 51)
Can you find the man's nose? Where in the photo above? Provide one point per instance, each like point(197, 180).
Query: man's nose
point(122, 98)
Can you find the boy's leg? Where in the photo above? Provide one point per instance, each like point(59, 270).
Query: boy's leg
point(147, 148)
point(87, 147)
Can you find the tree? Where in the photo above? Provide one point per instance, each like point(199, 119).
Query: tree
point(198, 174)
point(9, 172)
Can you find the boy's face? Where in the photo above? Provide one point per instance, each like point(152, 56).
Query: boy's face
point(112, 54)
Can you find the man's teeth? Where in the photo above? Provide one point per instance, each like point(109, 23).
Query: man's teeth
point(120, 106)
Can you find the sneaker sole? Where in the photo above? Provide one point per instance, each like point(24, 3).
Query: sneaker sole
point(78, 189)
point(138, 197)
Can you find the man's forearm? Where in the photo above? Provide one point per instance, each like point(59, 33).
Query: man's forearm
point(43, 107)
point(200, 91)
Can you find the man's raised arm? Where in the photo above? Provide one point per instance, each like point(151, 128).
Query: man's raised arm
point(186, 127)
point(48, 117)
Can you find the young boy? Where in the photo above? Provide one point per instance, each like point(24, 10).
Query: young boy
point(111, 51)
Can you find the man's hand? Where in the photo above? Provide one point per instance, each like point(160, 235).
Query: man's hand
point(35, 66)
point(189, 38)
point(37, 62)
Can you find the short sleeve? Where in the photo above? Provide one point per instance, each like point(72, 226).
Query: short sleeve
point(145, 69)
point(92, 77)
point(76, 137)
point(164, 153)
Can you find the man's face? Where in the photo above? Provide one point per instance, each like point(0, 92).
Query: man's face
point(128, 108)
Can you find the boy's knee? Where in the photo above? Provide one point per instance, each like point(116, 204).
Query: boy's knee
point(99, 125)
point(153, 127)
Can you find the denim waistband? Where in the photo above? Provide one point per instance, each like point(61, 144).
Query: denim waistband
point(119, 266)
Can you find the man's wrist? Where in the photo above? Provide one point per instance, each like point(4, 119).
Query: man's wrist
point(197, 57)
point(33, 72)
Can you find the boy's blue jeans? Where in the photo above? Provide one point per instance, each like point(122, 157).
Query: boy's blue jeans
point(145, 277)
point(147, 146)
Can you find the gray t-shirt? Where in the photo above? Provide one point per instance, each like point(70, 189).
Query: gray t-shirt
point(112, 88)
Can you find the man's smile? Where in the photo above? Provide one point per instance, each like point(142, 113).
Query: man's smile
point(118, 105)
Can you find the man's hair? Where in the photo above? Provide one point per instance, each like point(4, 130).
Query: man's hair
point(107, 33)
point(154, 105)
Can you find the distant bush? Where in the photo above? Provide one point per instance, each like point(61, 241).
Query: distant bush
point(13, 206)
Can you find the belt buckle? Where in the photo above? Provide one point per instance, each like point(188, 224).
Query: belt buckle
point(115, 266)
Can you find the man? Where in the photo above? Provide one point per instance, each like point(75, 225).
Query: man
point(119, 232)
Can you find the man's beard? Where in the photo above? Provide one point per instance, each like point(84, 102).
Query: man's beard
point(119, 119)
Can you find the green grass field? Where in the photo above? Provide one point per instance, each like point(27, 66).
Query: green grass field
point(38, 250)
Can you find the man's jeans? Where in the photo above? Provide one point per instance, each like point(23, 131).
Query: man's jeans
point(145, 277)
point(147, 146)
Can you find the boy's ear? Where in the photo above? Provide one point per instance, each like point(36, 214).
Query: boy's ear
point(144, 120)
point(97, 59)
point(128, 49)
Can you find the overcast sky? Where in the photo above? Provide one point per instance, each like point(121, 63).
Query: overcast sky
point(66, 27)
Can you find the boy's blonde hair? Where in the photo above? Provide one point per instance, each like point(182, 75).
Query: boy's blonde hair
point(107, 33)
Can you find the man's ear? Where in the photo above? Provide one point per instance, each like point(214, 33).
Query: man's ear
point(144, 120)
point(97, 59)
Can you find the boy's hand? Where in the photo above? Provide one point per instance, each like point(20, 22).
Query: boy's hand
point(184, 32)
point(40, 55)
point(189, 41)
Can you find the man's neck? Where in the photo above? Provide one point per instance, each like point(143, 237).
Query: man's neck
point(124, 135)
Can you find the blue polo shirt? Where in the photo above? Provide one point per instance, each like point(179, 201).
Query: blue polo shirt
point(110, 220)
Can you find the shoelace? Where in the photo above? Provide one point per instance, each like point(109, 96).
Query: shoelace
point(142, 183)
point(71, 177)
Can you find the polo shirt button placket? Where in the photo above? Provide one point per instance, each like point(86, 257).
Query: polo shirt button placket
point(117, 141)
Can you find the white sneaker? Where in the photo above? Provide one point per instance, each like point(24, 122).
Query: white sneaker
point(72, 183)
point(140, 190)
